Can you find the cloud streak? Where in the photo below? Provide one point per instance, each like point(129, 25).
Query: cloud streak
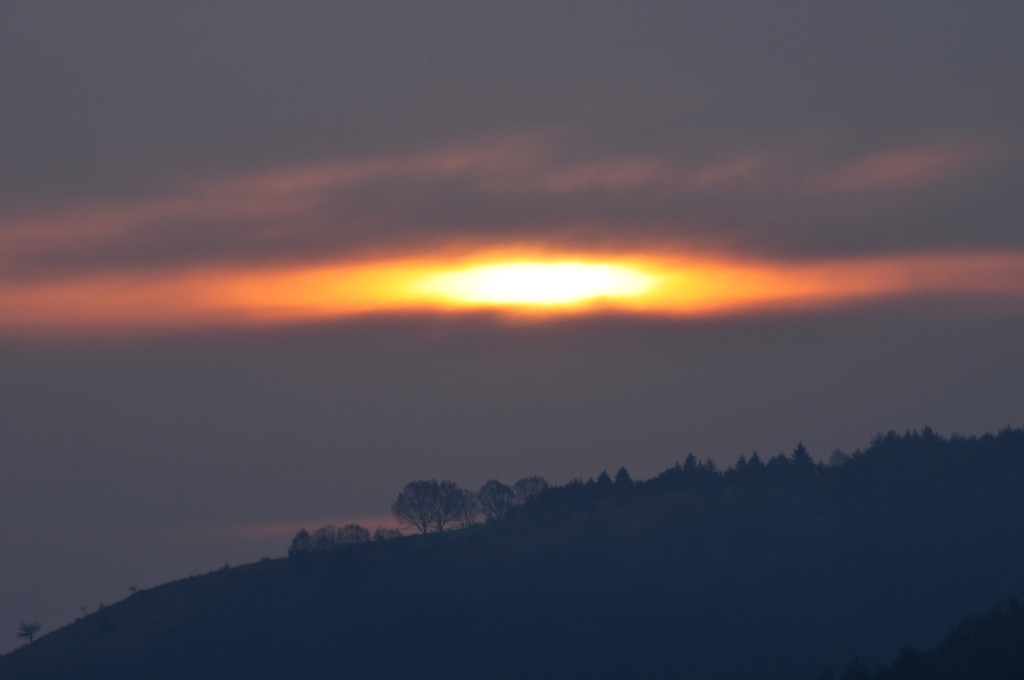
point(911, 168)
point(528, 187)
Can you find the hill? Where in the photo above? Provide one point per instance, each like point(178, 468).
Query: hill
point(771, 569)
point(989, 646)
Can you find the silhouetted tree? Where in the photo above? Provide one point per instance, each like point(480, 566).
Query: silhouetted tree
point(690, 469)
point(353, 533)
point(622, 479)
point(415, 504)
point(528, 487)
point(447, 505)
point(429, 504)
point(778, 464)
point(496, 499)
point(467, 508)
point(604, 482)
point(325, 538)
point(384, 533)
point(802, 459)
point(670, 478)
point(29, 630)
point(302, 544)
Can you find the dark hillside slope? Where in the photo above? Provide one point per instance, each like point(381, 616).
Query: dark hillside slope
point(988, 646)
point(766, 571)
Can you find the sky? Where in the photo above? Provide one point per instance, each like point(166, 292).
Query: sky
point(263, 263)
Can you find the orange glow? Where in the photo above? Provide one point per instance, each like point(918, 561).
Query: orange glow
point(515, 281)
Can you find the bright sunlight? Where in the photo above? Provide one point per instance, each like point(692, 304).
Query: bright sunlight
point(539, 284)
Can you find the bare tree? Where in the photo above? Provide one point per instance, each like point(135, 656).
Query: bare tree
point(353, 533)
point(384, 533)
point(446, 507)
point(324, 538)
point(429, 505)
point(467, 509)
point(29, 630)
point(327, 537)
point(528, 487)
point(496, 499)
point(416, 504)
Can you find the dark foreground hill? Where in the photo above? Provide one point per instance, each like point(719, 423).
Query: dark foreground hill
point(765, 571)
point(988, 646)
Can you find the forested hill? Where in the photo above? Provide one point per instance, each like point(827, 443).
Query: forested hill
point(771, 569)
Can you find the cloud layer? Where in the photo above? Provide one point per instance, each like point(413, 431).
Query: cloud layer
point(331, 240)
point(527, 187)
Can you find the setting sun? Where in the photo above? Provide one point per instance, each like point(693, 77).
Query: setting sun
point(539, 284)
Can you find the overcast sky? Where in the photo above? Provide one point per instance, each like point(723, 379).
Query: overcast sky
point(149, 139)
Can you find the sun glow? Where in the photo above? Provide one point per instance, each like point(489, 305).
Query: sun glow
point(538, 284)
point(512, 282)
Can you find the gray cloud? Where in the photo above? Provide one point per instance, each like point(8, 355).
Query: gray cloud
point(102, 99)
point(531, 186)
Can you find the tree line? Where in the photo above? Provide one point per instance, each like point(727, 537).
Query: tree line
point(330, 536)
point(428, 506)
